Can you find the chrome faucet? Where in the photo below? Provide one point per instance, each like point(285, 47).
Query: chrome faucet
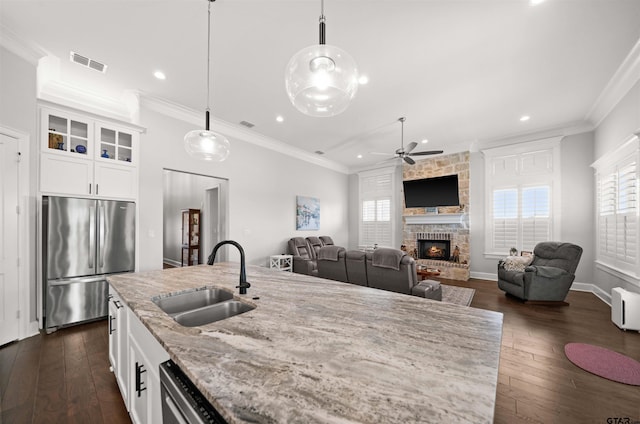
point(244, 285)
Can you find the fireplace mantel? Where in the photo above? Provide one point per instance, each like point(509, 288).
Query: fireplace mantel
point(445, 218)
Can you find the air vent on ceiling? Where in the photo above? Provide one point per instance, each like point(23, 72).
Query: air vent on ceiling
point(89, 63)
point(247, 124)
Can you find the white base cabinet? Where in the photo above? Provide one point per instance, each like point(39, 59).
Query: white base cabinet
point(118, 339)
point(145, 356)
point(135, 358)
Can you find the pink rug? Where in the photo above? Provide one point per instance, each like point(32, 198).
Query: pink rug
point(604, 363)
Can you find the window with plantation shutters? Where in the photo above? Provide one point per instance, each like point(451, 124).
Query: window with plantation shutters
point(617, 208)
point(522, 192)
point(376, 206)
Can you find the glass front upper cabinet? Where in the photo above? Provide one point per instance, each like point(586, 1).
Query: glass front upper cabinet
point(115, 145)
point(68, 135)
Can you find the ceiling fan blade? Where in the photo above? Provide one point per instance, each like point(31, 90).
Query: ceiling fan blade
point(428, 152)
point(411, 146)
point(409, 160)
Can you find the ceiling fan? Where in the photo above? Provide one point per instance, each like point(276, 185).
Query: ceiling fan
point(405, 154)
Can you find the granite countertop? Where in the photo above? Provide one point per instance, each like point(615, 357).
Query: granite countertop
point(322, 351)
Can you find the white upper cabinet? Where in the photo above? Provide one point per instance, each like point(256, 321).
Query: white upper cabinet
point(83, 156)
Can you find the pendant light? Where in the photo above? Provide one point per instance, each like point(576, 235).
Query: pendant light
point(206, 144)
point(321, 80)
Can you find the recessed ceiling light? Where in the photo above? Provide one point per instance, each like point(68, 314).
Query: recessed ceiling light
point(359, 156)
point(279, 118)
point(363, 79)
point(424, 141)
point(160, 75)
point(524, 118)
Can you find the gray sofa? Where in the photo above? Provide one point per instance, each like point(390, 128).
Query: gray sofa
point(384, 269)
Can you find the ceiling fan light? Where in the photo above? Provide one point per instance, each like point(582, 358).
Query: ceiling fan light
point(321, 80)
point(207, 145)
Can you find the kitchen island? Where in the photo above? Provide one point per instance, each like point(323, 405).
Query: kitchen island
point(322, 351)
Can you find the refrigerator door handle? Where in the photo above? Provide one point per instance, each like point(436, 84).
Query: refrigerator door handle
point(92, 234)
point(67, 281)
point(101, 240)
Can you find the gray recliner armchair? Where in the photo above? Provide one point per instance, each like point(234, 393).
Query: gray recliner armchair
point(549, 276)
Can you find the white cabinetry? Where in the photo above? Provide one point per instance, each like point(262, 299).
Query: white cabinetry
point(81, 155)
point(145, 356)
point(135, 357)
point(118, 341)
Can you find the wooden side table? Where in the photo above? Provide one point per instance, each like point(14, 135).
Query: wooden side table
point(281, 262)
point(428, 272)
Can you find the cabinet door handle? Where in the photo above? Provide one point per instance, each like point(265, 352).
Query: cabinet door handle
point(89, 188)
point(117, 304)
point(139, 370)
point(111, 328)
point(97, 190)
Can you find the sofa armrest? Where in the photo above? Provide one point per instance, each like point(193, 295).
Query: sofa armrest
point(547, 271)
point(303, 266)
point(547, 283)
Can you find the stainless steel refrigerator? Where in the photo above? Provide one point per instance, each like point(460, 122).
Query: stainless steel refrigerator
point(83, 241)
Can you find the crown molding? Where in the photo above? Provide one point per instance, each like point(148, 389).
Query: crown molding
point(66, 94)
point(625, 77)
point(571, 128)
point(196, 118)
point(28, 51)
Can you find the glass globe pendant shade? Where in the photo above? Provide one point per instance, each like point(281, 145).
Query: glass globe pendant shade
point(207, 145)
point(321, 80)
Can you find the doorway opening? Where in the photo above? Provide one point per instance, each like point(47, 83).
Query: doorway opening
point(183, 191)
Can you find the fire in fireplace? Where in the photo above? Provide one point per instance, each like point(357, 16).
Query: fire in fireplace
point(434, 249)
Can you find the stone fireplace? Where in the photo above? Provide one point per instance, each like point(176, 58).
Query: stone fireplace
point(433, 238)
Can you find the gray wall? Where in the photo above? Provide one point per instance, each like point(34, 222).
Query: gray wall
point(263, 185)
point(576, 220)
point(18, 111)
point(619, 124)
point(183, 191)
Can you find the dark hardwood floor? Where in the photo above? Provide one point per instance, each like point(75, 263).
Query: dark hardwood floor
point(64, 377)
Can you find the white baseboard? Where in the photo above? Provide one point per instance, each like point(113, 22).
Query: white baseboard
point(484, 276)
point(172, 262)
point(592, 288)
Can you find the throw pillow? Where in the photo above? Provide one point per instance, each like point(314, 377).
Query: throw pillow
point(517, 263)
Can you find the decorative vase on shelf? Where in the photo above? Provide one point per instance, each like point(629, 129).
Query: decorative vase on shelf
point(105, 154)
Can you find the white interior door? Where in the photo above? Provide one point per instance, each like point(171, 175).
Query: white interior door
point(9, 299)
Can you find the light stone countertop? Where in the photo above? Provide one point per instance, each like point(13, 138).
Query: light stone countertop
point(322, 351)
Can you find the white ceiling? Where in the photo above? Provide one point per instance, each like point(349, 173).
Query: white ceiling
point(461, 71)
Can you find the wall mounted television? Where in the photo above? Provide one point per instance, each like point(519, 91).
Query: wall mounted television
point(431, 192)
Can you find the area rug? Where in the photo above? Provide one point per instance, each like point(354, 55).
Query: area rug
point(458, 295)
point(604, 363)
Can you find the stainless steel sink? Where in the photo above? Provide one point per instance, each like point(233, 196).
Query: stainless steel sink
point(212, 313)
point(188, 301)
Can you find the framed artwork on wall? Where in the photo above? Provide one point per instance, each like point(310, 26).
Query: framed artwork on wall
point(307, 213)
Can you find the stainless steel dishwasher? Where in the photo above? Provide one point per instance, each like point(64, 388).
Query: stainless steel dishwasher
point(182, 402)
